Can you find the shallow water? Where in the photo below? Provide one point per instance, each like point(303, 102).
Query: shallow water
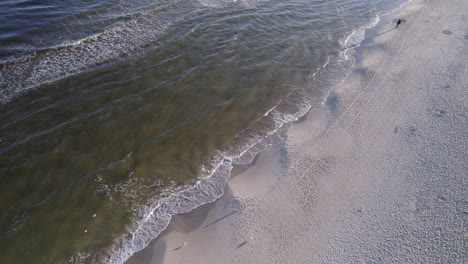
point(111, 108)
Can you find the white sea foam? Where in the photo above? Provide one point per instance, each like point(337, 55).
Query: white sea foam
point(69, 58)
point(214, 174)
point(222, 3)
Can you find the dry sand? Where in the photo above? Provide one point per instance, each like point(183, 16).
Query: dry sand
point(378, 175)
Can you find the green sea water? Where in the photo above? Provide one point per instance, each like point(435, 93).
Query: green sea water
point(109, 108)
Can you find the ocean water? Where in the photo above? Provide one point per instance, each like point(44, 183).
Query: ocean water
point(116, 115)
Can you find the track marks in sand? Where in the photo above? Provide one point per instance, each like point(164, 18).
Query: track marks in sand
point(369, 92)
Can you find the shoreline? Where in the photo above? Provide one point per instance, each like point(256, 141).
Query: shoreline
point(186, 218)
point(256, 195)
point(269, 130)
point(197, 216)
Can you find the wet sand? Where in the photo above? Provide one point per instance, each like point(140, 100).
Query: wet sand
point(377, 175)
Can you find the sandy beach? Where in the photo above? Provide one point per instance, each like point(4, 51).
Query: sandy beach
point(376, 175)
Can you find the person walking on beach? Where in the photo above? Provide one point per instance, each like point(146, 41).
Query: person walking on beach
point(398, 23)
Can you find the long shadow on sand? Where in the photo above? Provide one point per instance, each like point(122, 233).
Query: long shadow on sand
point(221, 218)
point(385, 32)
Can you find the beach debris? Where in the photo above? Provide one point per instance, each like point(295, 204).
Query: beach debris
point(177, 248)
point(180, 247)
point(242, 244)
point(86, 231)
point(94, 215)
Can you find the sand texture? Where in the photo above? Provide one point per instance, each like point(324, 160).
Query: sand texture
point(378, 175)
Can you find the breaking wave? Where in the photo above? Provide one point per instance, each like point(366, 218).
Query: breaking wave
point(214, 173)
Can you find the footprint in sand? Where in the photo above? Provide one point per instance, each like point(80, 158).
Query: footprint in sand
point(440, 113)
point(441, 197)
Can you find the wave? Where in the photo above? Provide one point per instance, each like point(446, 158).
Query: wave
point(221, 3)
point(36, 67)
point(215, 172)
